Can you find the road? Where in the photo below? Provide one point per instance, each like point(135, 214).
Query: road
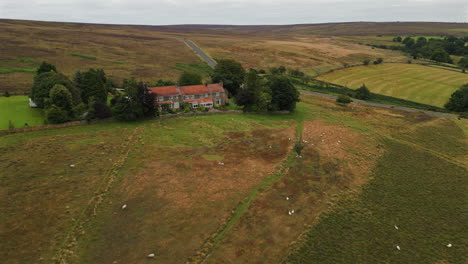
point(200, 52)
point(383, 105)
point(213, 64)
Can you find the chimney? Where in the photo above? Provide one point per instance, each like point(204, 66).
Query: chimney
point(206, 84)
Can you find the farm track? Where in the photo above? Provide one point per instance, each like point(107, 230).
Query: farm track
point(282, 169)
point(91, 210)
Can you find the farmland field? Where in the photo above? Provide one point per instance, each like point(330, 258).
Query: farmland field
point(412, 82)
point(217, 185)
point(16, 109)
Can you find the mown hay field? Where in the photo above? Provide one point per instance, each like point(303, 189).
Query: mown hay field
point(412, 82)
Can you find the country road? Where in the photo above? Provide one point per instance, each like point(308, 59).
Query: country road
point(200, 52)
point(212, 64)
point(383, 105)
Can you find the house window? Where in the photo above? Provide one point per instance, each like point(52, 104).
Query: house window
point(192, 96)
point(187, 97)
point(206, 95)
point(195, 105)
point(217, 94)
point(218, 101)
point(161, 99)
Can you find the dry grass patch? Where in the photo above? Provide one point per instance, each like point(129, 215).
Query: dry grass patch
point(176, 197)
point(331, 162)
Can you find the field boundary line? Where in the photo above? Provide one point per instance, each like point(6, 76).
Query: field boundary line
point(90, 211)
point(432, 152)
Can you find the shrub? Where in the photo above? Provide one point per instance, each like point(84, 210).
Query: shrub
point(6, 94)
point(101, 110)
point(79, 110)
point(410, 61)
point(56, 115)
point(298, 147)
point(362, 93)
point(366, 62)
point(458, 102)
point(343, 99)
point(11, 125)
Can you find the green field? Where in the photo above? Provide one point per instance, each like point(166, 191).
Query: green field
point(16, 109)
point(412, 82)
point(183, 205)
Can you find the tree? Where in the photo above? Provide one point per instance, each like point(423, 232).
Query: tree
point(101, 110)
point(137, 103)
point(463, 62)
point(46, 67)
point(282, 69)
point(441, 55)
point(61, 97)
point(343, 99)
point(283, 93)
point(378, 61)
point(56, 115)
point(6, 93)
point(458, 102)
point(254, 96)
point(189, 78)
point(362, 93)
point(231, 73)
point(45, 81)
point(366, 62)
point(92, 83)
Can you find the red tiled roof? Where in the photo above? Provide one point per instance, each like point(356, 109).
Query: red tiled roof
point(187, 90)
point(165, 90)
point(190, 101)
point(215, 87)
point(167, 102)
point(205, 100)
point(194, 89)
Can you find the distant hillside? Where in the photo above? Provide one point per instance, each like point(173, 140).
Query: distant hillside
point(150, 53)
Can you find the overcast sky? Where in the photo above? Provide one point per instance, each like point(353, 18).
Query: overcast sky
point(240, 12)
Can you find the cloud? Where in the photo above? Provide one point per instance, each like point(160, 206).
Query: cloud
point(163, 12)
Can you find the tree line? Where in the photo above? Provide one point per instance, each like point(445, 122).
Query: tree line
point(438, 50)
point(85, 96)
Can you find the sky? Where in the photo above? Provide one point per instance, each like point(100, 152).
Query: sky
point(236, 12)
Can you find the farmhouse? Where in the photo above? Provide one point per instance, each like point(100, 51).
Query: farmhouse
point(207, 95)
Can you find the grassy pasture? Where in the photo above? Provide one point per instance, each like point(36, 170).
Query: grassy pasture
point(178, 196)
point(16, 109)
point(412, 82)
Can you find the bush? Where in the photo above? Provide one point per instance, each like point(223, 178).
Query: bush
point(101, 110)
point(366, 62)
point(79, 110)
point(298, 147)
point(362, 93)
point(10, 125)
point(343, 99)
point(458, 102)
point(56, 115)
point(6, 94)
